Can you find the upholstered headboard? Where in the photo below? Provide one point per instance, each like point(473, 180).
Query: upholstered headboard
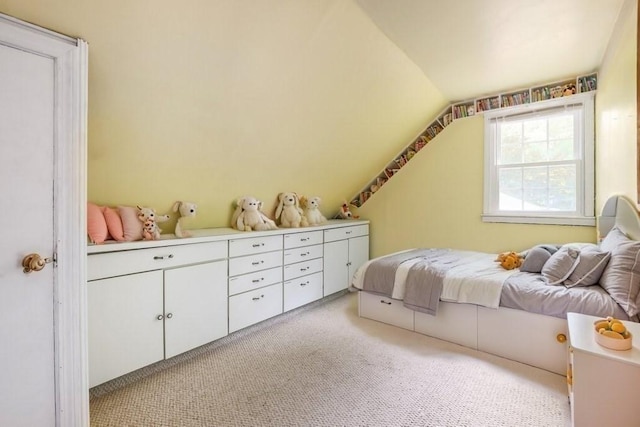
point(620, 211)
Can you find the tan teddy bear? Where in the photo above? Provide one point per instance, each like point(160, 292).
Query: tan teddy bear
point(509, 260)
point(288, 212)
point(248, 216)
point(311, 209)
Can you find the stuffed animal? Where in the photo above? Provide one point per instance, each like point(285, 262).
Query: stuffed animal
point(311, 209)
point(185, 209)
point(248, 216)
point(345, 212)
point(509, 260)
point(288, 212)
point(569, 89)
point(149, 219)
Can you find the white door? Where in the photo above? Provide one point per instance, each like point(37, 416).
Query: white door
point(33, 307)
point(336, 257)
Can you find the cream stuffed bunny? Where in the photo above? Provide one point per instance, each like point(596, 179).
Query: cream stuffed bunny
point(248, 216)
point(186, 209)
point(311, 209)
point(288, 211)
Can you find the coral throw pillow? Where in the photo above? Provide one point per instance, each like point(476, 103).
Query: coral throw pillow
point(131, 225)
point(114, 224)
point(96, 224)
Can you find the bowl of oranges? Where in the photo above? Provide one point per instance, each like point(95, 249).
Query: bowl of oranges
point(611, 333)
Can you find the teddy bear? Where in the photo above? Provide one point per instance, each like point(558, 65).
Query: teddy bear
point(509, 260)
point(186, 210)
point(345, 212)
point(289, 213)
point(248, 216)
point(149, 219)
point(311, 209)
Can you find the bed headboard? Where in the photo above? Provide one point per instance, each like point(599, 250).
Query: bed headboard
point(620, 211)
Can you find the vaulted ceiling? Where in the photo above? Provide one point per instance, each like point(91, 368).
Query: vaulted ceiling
point(469, 48)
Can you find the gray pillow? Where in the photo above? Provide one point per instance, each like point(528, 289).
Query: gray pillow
point(613, 239)
point(535, 260)
point(591, 263)
point(560, 265)
point(621, 277)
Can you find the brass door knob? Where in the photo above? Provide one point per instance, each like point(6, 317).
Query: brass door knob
point(561, 338)
point(34, 262)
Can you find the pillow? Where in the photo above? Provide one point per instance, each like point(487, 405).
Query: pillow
point(591, 263)
point(535, 259)
point(114, 223)
point(131, 225)
point(560, 265)
point(613, 239)
point(621, 277)
point(96, 224)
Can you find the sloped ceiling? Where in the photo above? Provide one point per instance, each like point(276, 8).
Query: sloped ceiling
point(469, 48)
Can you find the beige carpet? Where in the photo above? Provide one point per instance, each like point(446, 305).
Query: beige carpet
point(322, 365)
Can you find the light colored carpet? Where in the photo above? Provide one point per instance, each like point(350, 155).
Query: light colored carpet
point(322, 365)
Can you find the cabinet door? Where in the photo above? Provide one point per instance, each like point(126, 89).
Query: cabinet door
point(358, 254)
point(195, 306)
point(125, 333)
point(336, 257)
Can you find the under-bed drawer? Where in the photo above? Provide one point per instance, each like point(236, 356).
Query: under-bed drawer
point(457, 323)
point(385, 310)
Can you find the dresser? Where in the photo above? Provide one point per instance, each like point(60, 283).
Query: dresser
point(152, 300)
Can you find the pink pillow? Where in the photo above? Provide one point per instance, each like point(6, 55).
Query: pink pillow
point(114, 224)
point(96, 224)
point(131, 225)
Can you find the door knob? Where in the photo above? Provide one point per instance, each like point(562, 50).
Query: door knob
point(34, 262)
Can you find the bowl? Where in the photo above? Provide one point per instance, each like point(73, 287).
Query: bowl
point(612, 343)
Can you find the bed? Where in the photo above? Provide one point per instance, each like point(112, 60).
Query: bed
point(466, 297)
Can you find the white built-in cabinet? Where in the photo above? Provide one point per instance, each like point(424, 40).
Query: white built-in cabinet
point(345, 249)
point(152, 300)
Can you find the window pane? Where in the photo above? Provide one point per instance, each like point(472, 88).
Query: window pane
point(510, 184)
point(535, 152)
point(561, 149)
point(535, 130)
point(561, 127)
point(510, 154)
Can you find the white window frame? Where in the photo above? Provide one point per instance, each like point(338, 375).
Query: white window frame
point(585, 203)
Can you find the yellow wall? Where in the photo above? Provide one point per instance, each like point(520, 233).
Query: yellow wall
point(208, 101)
point(436, 201)
point(616, 112)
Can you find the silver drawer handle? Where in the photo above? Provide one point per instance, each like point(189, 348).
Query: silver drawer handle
point(257, 245)
point(348, 232)
point(304, 239)
point(257, 262)
point(304, 254)
point(160, 257)
point(304, 283)
point(385, 302)
point(258, 280)
point(169, 315)
point(257, 298)
point(160, 317)
point(304, 269)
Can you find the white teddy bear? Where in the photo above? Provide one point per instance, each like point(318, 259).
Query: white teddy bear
point(248, 216)
point(186, 209)
point(288, 211)
point(311, 209)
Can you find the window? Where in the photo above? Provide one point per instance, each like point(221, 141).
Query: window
point(539, 163)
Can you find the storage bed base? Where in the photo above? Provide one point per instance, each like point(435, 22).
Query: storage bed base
point(529, 338)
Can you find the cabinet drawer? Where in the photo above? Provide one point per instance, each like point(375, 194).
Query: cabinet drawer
point(254, 245)
point(249, 282)
point(112, 264)
point(249, 264)
point(302, 268)
point(295, 240)
point(302, 254)
point(254, 306)
point(345, 232)
point(385, 310)
point(301, 291)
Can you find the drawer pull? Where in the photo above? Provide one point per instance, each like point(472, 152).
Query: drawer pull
point(258, 280)
point(257, 262)
point(160, 257)
point(257, 245)
point(304, 283)
point(304, 269)
point(304, 254)
point(385, 302)
point(160, 317)
point(169, 315)
point(257, 298)
point(348, 232)
point(304, 239)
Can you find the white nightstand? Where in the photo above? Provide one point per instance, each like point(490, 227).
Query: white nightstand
point(604, 385)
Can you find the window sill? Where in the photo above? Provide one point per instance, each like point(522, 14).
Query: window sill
point(549, 220)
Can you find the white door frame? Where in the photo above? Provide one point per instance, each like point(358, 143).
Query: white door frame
point(70, 57)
